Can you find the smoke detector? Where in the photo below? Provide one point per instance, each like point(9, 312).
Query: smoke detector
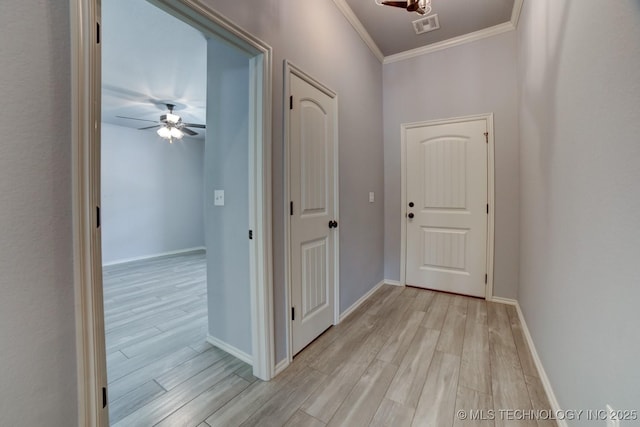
point(426, 24)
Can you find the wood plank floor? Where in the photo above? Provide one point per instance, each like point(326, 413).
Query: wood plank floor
point(406, 357)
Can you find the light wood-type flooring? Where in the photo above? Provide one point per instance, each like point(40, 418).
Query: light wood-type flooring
point(406, 357)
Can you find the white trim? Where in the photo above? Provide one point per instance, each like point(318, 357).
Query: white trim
point(515, 13)
point(281, 366)
point(234, 351)
point(290, 68)
point(360, 301)
point(490, 192)
point(357, 25)
point(453, 42)
point(85, 132)
point(491, 197)
point(500, 300)
point(156, 256)
point(542, 374)
point(392, 282)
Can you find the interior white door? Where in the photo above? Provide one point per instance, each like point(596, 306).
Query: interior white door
point(446, 196)
point(312, 232)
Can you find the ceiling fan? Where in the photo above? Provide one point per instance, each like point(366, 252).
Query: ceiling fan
point(170, 125)
point(421, 7)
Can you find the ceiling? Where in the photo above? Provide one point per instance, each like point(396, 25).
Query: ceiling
point(144, 69)
point(392, 31)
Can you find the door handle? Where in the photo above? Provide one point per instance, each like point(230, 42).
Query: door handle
point(333, 224)
point(410, 215)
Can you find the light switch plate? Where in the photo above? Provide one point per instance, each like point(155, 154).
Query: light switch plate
point(218, 197)
point(372, 197)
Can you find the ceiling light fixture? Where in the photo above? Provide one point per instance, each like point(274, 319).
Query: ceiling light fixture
point(421, 7)
point(170, 131)
point(172, 123)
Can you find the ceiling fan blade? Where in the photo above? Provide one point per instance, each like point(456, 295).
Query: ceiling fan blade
point(188, 131)
point(402, 4)
point(149, 127)
point(133, 118)
point(195, 125)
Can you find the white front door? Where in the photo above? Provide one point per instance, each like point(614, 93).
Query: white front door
point(446, 196)
point(312, 239)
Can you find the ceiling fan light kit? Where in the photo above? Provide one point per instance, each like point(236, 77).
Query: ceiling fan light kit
point(171, 125)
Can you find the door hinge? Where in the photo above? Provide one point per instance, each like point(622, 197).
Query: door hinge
point(291, 102)
point(486, 137)
point(97, 33)
point(487, 207)
point(97, 216)
point(486, 278)
point(104, 397)
point(250, 234)
point(291, 208)
point(293, 313)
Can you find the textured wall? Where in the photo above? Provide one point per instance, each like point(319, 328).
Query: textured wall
point(316, 37)
point(37, 326)
point(227, 168)
point(579, 65)
point(474, 78)
point(151, 194)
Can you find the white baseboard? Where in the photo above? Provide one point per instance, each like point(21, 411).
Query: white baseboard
point(358, 303)
point(507, 301)
point(154, 256)
point(544, 379)
point(281, 366)
point(392, 282)
point(247, 358)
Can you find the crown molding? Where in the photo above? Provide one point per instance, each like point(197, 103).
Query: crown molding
point(511, 25)
point(357, 25)
point(515, 13)
point(446, 44)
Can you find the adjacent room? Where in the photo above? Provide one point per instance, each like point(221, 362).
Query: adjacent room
point(175, 276)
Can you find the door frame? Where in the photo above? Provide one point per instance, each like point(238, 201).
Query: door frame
point(490, 191)
point(85, 21)
point(289, 69)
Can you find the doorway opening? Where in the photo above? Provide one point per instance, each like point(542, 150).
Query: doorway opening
point(233, 59)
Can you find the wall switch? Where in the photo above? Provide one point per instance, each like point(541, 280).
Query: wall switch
point(372, 197)
point(218, 198)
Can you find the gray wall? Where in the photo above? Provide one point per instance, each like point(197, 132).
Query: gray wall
point(37, 326)
point(579, 66)
point(151, 194)
point(474, 78)
point(315, 36)
point(227, 168)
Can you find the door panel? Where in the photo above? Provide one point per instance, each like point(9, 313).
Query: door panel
point(312, 179)
point(446, 177)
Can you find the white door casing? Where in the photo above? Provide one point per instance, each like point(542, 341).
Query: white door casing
point(446, 177)
point(313, 205)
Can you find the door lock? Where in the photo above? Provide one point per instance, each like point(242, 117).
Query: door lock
point(411, 204)
point(410, 215)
